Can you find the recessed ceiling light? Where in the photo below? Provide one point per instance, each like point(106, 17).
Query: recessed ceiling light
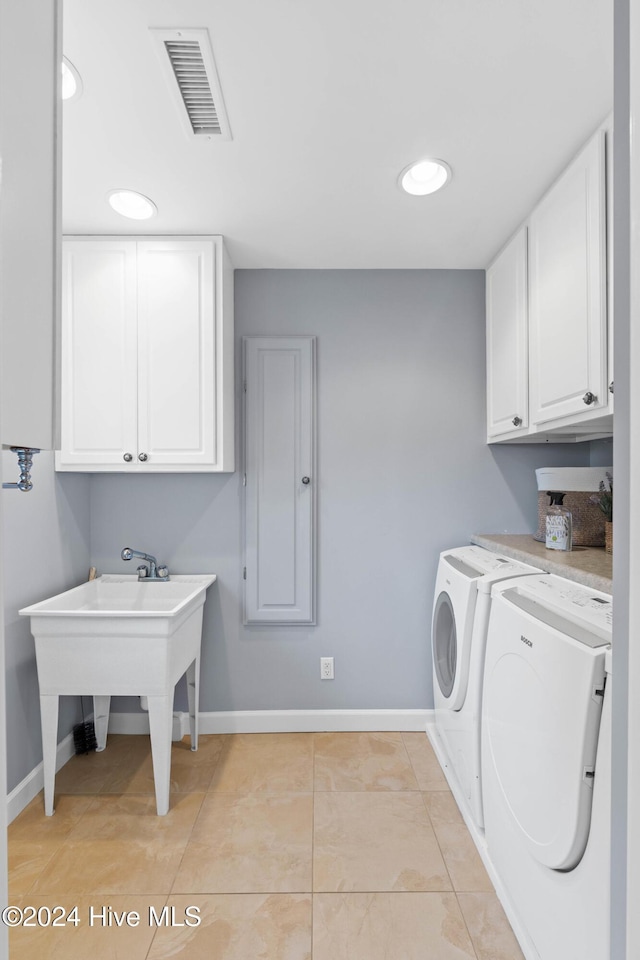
point(130, 204)
point(424, 177)
point(71, 81)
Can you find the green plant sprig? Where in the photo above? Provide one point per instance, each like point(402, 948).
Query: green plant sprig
point(604, 499)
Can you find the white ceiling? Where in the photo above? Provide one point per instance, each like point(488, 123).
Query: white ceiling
point(327, 102)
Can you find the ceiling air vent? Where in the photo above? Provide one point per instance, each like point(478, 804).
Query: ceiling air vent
point(187, 61)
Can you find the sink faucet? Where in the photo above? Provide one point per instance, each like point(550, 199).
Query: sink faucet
point(153, 571)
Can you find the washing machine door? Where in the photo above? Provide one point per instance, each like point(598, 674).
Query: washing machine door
point(454, 606)
point(542, 702)
point(445, 644)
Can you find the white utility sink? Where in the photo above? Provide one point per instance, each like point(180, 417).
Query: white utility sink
point(124, 596)
point(120, 636)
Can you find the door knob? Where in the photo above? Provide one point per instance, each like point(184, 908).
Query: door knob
point(143, 457)
point(306, 480)
point(127, 457)
point(516, 421)
point(589, 398)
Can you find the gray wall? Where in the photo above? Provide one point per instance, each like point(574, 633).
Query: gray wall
point(403, 473)
point(45, 533)
point(45, 542)
point(601, 453)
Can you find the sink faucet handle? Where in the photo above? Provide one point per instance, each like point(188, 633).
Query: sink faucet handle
point(162, 573)
point(143, 573)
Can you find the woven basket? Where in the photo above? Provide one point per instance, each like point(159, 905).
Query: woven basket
point(588, 520)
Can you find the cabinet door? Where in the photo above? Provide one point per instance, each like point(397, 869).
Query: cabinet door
point(279, 479)
point(507, 351)
point(99, 379)
point(567, 321)
point(176, 351)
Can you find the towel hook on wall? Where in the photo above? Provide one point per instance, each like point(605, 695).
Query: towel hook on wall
point(25, 462)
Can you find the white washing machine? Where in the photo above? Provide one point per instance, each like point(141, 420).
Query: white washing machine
point(458, 634)
point(546, 753)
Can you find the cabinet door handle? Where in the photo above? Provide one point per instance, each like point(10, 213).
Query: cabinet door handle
point(589, 398)
point(127, 457)
point(306, 480)
point(516, 421)
point(611, 387)
point(143, 457)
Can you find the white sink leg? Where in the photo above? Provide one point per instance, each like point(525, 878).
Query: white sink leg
point(193, 693)
point(49, 722)
point(161, 728)
point(101, 719)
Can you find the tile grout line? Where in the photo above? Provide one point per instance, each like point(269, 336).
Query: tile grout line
point(408, 755)
point(187, 842)
point(437, 839)
point(466, 925)
point(153, 938)
point(195, 820)
point(35, 880)
point(197, 817)
point(455, 892)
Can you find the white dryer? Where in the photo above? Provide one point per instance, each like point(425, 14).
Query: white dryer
point(458, 634)
point(546, 751)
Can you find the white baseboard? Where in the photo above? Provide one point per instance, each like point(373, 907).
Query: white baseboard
point(234, 721)
point(138, 723)
point(33, 783)
point(134, 723)
point(280, 721)
point(312, 721)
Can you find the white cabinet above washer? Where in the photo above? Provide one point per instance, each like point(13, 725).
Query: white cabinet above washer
point(567, 292)
point(549, 340)
point(507, 347)
point(147, 355)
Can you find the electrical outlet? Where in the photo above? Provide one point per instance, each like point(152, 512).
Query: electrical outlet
point(326, 668)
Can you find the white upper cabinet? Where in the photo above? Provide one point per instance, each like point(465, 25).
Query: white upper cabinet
point(568, 326)
point(176, 353)
point(552, 384)
point(147, 355)
point(507, 350)
point(99, 353)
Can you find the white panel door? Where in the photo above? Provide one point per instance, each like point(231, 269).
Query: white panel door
point(280, 482)
point(507, 349)
point(176, 350)
point(100, 397)
point(567, 271)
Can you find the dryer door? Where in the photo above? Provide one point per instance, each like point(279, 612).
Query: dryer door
point(542, 701)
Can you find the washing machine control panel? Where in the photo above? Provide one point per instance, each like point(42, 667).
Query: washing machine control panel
point(476, 562)
point(589, 608)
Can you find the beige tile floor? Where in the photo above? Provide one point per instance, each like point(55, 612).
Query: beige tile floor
point(331, 846)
